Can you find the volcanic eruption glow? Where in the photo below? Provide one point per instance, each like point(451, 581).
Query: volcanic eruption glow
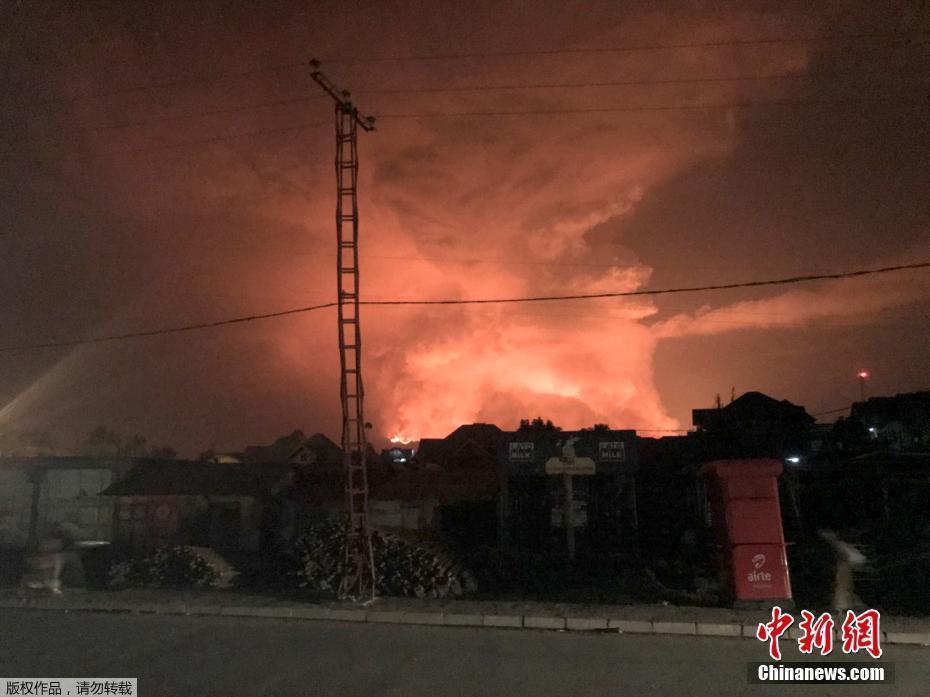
point(587, 190)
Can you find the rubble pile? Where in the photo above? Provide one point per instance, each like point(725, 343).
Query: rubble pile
point(320, 556)
point(402, 568)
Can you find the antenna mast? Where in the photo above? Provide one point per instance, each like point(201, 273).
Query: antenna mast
point(358, 580)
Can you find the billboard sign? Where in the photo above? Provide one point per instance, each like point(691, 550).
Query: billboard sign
point(612, 451)
point(576, 465)
point(603, 452)
point(568, 462)
point(522, 452)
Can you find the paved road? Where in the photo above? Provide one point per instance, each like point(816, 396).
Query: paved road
point(199, 656)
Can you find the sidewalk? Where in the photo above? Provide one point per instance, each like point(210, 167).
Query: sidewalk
point(633, 619)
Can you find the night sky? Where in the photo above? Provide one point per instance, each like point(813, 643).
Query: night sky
point(175, 165)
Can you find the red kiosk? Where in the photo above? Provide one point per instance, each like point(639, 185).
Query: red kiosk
point(747, 525)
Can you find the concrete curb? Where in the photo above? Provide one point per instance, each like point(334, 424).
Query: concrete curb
point(444, 618)
point(719, 629)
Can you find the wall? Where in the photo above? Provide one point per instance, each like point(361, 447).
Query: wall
point(15, 507)
point(227, 523)
point(405, 515)
point(67, 496)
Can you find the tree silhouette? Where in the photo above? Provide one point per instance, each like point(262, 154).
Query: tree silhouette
point(104, 442)
point(163, 452)
point(134, 446)
point(538, 425)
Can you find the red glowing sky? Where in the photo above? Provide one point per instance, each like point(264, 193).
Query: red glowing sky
point(130, 206)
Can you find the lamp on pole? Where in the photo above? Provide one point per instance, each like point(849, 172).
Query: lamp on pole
point(862, 375)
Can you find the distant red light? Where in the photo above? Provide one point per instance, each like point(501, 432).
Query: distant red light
point(864, 374)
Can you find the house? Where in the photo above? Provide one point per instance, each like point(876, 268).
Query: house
point(901, 422)
point(231, 507)
point(753, 425)
point(225, 458)
point(39, 493)
point(243, 505)
point(443, 486)
point(247, 507)
point(430, 452)
point(436, 501)
point(317, 450)
point(398, 458)
point(468, 447)
point(295, 447)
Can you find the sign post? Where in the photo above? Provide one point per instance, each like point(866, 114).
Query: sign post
point(537, 461)
point(568, 513)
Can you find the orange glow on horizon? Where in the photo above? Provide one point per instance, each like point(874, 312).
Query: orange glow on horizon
point(571, 368)
point(402, 439)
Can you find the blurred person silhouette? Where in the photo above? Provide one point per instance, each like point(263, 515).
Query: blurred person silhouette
point(848, 560)
point(45, 566)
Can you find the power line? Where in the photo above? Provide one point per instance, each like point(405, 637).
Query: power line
point(658, 82)
point(291, 101)
point(599, 83)
point(168, 330)
point(233, 136)
point(654, 108)
point(210, 140)
point(837, 410)
point(526, 112)
point(730, 43)
point(174, 84)
point(659, 430)
point(833, 411)
point(907, 38)
point(486, 301)
point(665, 291)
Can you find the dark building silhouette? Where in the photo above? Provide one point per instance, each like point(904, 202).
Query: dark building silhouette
point(468, 447)
point(901, 422)
point(562, 490)
point(753, 425)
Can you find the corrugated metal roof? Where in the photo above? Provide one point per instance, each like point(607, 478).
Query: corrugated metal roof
point(186, 478)
point(116, 464)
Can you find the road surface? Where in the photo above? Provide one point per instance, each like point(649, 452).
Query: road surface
point(175, 656)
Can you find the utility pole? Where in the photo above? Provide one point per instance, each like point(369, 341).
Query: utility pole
point(358, 580)
point(568, 514)
point(863, 376)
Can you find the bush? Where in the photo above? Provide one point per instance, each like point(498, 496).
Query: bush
point(402, 568)
point(12, 565)
point(165, 567)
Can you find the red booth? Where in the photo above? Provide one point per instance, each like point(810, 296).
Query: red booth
point(747, 525)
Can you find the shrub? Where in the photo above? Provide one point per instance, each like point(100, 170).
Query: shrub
point(165, 567)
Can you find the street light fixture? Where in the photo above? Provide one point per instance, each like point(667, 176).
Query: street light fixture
point(863, 375)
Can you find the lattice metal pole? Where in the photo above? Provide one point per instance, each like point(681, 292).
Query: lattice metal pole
point(359, 577)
